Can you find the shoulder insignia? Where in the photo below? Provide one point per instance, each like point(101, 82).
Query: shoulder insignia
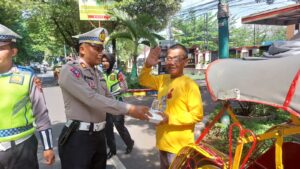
point(75, 72)
point(121, 77)
point(82, 65)
point(17, 79)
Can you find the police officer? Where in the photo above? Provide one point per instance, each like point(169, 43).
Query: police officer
point(22, 104)
point(82, 143)
point(116, 84)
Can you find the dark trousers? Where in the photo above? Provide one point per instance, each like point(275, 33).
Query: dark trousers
point(118, 121)
point(83, 150)
point(21, 156)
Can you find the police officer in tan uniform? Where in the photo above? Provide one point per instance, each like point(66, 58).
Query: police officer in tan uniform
point(82, 142)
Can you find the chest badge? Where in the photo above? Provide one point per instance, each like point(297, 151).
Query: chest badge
point(169, 96)
point(112, 77)
point(17, 79)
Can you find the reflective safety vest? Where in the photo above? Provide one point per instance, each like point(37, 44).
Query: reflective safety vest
point(15, 107)
point(112, 82)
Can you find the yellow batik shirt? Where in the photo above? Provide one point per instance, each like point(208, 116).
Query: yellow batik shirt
point(183, 105)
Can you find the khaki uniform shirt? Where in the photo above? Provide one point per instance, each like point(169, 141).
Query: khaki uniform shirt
point(85, 94)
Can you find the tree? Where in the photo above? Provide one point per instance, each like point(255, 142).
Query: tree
point(198, 31)
point(137, 31)
point(160, 10)
point(46, 26)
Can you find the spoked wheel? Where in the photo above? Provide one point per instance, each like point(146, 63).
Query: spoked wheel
point(201, 164)
point(209, 166)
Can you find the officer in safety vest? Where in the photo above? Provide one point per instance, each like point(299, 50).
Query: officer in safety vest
point(116, 84)
point(22, 104)
point(82, 143)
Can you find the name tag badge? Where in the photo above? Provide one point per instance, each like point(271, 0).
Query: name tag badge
point(112, 77)
point(17, 79)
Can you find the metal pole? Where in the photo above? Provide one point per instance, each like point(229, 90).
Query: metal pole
point(206, 31)
point(254, 32)
point(223, 14)
point(65, 50)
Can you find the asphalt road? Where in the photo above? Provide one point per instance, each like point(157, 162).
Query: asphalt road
point(144, 154)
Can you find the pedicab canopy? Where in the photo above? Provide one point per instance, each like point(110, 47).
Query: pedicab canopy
point(287, 15)
point(273, 79)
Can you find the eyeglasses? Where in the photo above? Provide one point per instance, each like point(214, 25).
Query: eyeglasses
point(97, 47)
point(175, 59)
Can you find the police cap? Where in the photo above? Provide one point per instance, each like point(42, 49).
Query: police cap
point(95, 36)
point(7, 36)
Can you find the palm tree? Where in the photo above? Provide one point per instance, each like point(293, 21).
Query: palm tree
point(137, 30)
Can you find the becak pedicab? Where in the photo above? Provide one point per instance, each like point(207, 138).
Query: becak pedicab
point(272, 80)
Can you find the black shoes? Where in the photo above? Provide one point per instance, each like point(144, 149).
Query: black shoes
point(127, 151)
point(129, 148)
point(110, 154)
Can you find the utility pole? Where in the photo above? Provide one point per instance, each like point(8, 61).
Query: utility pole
point(170, 33)
point(65, 50)
point(206, 31)
point(223, 14)
point(254, 32)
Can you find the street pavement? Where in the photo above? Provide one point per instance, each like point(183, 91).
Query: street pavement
point(144, 154)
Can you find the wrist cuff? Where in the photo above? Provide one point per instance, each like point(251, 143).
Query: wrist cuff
point(46, 137)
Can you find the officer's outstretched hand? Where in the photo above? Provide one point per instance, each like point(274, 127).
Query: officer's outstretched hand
point(49, 157)
point(139, 112)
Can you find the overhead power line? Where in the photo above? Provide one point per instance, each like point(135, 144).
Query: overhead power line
point(201, 9)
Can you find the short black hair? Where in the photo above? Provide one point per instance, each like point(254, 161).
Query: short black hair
point(180, 46)
point(13, 45)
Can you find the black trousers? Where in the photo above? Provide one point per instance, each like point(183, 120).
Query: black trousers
point(83, 150)
point(118, 121)
point(21, 156)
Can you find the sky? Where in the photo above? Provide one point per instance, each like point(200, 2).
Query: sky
point(237, 8)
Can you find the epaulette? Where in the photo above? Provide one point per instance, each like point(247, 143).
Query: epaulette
point(83, 65)
point(73, 64)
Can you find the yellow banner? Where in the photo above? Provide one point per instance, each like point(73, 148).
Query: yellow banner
point(94, 9)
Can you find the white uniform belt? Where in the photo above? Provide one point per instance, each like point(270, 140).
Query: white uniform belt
point(8, 144)
point(85, 126)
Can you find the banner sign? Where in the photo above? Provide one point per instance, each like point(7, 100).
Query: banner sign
point(94, 9)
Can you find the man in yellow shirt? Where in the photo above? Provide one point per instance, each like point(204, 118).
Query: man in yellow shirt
point(180, 98)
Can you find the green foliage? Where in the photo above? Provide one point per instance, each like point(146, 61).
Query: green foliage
point(123, 49)
point(255, 35)
point(160, 10)
point(132, 84)
point(135, 29)
point(218, 135)
point(197, 32)
point(46, 26)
